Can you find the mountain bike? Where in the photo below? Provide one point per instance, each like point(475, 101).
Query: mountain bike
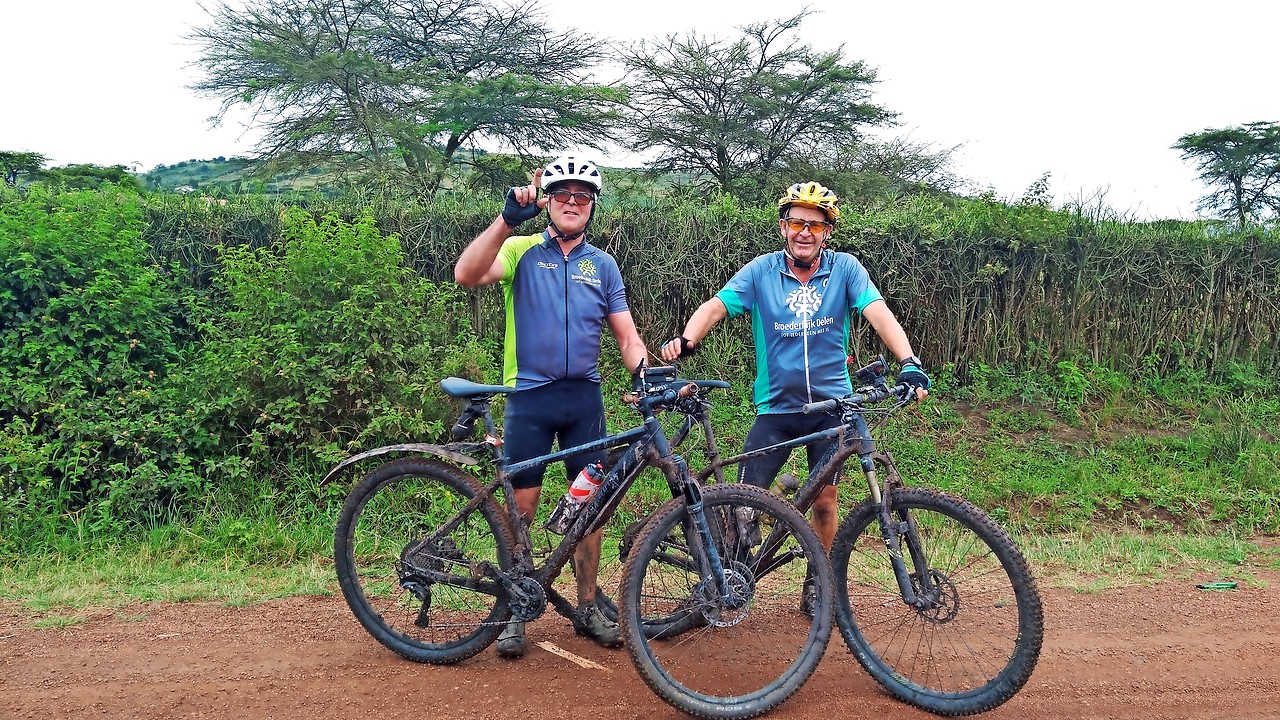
point(434, 564)
point(933, 597)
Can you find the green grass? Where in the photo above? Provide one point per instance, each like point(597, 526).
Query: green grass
point(118, 577)
point(1094, 562)
point(1099, 493)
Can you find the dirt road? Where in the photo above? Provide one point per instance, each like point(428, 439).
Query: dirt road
point(1165, 651)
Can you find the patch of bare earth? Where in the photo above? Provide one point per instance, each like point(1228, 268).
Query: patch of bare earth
point(1166, 651)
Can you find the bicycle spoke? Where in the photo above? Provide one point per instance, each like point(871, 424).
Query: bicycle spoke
point(428, 601)
point(746, 644)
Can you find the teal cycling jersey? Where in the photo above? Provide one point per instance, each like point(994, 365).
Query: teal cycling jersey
point(801, 330)
point(556, 308)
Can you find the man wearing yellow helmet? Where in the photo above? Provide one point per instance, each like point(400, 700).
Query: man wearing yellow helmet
point(560, 292)
point(800, 299)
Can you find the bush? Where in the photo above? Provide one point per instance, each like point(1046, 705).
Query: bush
point(329, 343)
point(89, 328)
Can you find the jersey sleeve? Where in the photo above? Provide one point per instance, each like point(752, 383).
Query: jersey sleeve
point(615, 290)
point(511, 251)
point(862, 291)
point(739, 294)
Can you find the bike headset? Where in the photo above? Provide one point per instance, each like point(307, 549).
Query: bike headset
point(564, 169)
point(811, 195)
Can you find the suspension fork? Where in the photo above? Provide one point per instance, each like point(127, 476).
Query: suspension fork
point(898, 531)
point(696, 511)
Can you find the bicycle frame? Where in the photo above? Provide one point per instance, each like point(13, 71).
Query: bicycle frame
point(646, 446)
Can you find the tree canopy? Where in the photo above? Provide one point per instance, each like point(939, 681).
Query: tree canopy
point(1241, 165)
point(397, 87)
point(732, 111)
point(13, 162)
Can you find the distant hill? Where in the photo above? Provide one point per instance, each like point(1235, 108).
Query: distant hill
point(226, 175)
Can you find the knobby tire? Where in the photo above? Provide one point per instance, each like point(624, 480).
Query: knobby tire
point(976, 647)
point(738, 660)
point(388, 513)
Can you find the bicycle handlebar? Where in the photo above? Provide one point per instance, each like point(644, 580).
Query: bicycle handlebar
point(665, 396)
point(858, 400)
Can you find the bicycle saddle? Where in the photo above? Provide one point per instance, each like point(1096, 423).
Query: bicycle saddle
point(460, 388)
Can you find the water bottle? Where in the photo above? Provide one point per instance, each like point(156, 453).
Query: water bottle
point(580, 491)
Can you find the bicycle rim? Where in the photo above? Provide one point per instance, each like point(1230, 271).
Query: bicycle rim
point(727, 660)
point(402, 591)
point(977, 643)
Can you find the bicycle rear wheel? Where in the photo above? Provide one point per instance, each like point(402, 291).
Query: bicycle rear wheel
point(429, 603)
point(976, 642)
point(726, 657)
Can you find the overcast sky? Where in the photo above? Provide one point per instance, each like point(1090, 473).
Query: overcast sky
point(1093, 92)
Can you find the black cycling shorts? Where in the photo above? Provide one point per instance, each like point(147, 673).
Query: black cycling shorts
point(568, 411)
point(773, 428)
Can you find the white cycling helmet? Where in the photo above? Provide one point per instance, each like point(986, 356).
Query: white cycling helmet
point(571, 167)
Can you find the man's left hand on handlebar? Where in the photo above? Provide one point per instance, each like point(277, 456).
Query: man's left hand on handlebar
point(911, 373)
point(676, 348)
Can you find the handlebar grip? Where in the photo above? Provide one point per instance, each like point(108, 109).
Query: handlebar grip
point(821, 406)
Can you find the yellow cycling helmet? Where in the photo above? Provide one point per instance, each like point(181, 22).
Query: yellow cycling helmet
point(812, 195)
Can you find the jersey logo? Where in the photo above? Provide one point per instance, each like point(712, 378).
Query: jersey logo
point(804, 301)
point(547, 265)
point(586, 267)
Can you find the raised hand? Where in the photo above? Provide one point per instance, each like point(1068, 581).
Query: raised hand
point(523, 202)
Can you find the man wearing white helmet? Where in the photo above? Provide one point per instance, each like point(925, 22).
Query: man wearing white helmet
point(800, 299)
point(559, 291)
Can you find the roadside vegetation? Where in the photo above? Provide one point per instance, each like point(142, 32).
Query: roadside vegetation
point(177, 376)
point(178, 370)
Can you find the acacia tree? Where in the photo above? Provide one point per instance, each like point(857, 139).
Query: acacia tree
point(731, 111)
point(399, 86)
point(1241, 165)
point(13, 162)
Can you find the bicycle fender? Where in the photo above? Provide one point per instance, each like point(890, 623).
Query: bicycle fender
point(405, 448)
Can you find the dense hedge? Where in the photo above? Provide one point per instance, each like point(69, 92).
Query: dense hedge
point(140, 386)
point(973, 281)
point(162, 353)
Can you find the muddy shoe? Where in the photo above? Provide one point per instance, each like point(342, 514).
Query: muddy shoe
point(748, 526)
point(809, 598)
point(590, 623)
point(511, 641)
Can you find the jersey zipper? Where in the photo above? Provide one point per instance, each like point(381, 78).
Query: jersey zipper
point(565, 278)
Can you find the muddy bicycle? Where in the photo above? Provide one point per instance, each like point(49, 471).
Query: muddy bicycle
point(933, 597)
point(434, 564)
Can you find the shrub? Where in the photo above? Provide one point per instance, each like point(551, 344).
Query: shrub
point(89, 329)
point(329, 343)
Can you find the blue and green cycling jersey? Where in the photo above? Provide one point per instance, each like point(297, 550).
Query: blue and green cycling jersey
point(801, 330)
point(556, 309)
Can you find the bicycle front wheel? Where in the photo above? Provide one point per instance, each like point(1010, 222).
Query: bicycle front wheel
point(431, 602)
point(737, 649)
point(974, 640)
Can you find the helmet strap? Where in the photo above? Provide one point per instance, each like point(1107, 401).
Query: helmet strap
point(568, 238)
point(580, 234)
point(802, 264)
